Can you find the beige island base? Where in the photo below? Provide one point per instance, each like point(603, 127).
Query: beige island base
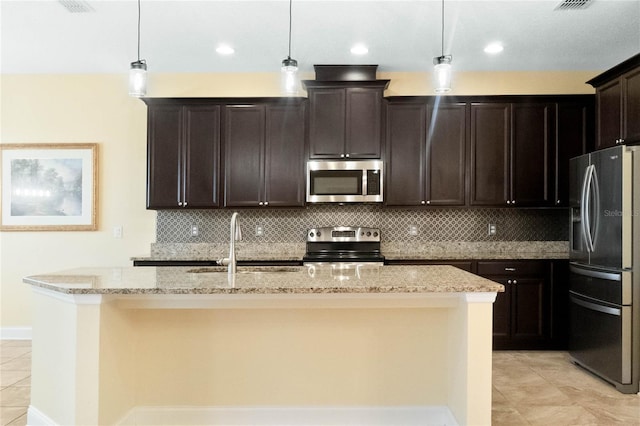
point(406, 345)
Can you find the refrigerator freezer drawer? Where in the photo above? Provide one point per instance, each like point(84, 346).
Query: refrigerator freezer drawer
point(601, 339)
point(613, 287)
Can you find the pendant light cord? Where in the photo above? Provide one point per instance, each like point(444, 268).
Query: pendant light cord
point(290, 19)
point(138, 30)
point(442, 29)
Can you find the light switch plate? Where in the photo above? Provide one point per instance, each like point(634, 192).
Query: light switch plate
point(195, 231)
point(259, 230)
point(492, 229)
point(413, 230)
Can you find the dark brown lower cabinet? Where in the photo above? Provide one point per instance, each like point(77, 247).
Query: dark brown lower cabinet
point(522, 314)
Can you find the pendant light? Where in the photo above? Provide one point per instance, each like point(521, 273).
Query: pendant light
point(138, 70)
point(442, 66)
point(289, 70)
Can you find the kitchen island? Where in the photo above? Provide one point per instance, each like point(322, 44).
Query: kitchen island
point(279, 345)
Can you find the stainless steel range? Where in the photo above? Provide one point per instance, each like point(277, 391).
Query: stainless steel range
point(344, 245)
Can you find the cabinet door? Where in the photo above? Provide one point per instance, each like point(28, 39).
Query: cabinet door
point(609, 110)
point(164, 157)
point(363, 123)
point(284, 156)
point(244, 132)
point(490, 135)
point(502, 312)
point(532, 130)
point(327, 110)
point(446, 166)
point(529, 317)
point(202, 156)
point(631, 102)
point(406, 144)
point(574, 135)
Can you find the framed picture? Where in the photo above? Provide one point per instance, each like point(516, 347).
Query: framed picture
point(49, 187)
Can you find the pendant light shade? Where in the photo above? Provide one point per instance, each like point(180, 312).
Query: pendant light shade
point(442, 74)
point(442, 66)
point(138, 71)
point(138, 78)
point(289, 69)
point(289, 74)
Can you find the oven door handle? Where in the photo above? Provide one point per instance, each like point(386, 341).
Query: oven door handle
point(595, 307)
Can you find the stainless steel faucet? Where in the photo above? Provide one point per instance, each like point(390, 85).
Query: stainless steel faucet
point(235, 234)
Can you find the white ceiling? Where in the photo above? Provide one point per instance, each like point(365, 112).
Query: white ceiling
point(181, 35)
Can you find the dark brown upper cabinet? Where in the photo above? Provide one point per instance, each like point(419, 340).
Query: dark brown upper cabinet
point(511, 154)
point(425, 153)
point(264, 155)
point(345, 119)
point(183, 155)
point(618, 104)
point(575, 133)
point(489, 154)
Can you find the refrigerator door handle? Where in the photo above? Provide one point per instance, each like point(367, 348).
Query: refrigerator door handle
point(610, 276)
point(596, 220)
point(585, 204)
point(595, 307)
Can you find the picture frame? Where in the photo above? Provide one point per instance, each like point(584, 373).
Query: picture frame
point(48, 187)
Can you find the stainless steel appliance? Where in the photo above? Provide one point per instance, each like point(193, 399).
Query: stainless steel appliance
point(343, 245)
point(345, 181)
point(605, 265)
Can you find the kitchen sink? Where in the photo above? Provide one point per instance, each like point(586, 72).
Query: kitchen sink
point(246, 269)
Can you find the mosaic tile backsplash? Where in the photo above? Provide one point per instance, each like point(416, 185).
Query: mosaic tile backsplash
point(290, 225)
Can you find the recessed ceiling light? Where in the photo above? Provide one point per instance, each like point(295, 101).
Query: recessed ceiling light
point(494, 48)
point(224, 49)
point(359, 49)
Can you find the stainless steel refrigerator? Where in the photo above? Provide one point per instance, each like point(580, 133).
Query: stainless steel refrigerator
point(605, 265)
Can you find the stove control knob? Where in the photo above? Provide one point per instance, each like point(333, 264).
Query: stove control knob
point(318, 233)
point(375, 234)
point(368, 233)
point(311, 234)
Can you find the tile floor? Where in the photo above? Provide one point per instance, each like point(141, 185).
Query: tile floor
point(529, 388)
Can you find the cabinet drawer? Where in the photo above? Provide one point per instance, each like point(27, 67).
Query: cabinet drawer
point(512, 268)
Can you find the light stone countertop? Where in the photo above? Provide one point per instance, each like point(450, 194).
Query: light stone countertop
point(264, 280)
point(431, 250)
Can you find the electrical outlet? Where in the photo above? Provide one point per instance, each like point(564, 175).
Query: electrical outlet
point(194, 230)
point(492, 229)
point(259, 230)
point(117, 231)
point(413, 230)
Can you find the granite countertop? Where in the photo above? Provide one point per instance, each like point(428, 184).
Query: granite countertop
point(264, 280)
point(431, 250)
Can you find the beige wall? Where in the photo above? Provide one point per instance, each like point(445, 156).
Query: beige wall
point(96, 108)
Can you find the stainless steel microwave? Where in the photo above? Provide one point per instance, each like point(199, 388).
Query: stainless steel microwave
point(344, 181)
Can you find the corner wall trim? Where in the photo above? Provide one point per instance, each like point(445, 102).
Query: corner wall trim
point(15, 333)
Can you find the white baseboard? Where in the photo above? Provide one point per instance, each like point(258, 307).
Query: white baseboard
point(291, 416)
point(15, 333)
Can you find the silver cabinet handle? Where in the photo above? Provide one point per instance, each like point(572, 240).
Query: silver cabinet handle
point(508, 201)
point(508, 281)
point(260, 203)
point(184, 204)
point(180, 203)
point(423, 202)
point(515, 281)
point(266, 203)
point(510, 269)
point(429, 202)
point(513, 201)
point(347, 155)
point(341, 155)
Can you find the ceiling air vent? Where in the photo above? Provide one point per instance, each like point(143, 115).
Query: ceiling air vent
point(574, 4)
point(77, 6)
